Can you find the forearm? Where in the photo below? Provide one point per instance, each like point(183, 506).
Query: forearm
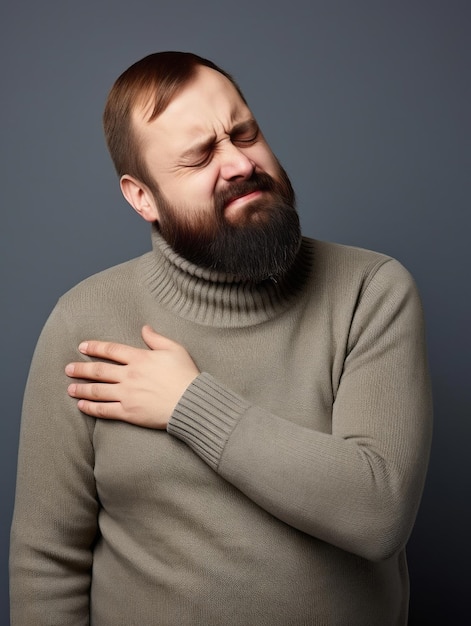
point(341, 490)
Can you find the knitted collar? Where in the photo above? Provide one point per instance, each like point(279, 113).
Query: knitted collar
point(216, 299)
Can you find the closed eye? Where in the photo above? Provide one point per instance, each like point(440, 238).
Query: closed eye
point(204, 160)
point(244, 141)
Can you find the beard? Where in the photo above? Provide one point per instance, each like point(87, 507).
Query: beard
point(261, 242)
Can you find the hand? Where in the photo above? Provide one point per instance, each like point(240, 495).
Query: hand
point(141, 386)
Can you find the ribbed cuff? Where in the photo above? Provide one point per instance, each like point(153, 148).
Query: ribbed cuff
point(205, 416)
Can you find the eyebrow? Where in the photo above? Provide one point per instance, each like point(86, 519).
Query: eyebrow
point(206, 144)
point(243, 127)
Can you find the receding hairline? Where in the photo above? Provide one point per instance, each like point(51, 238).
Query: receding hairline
point(145, 100)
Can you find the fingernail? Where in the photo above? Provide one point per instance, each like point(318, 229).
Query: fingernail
point(71, 390)
point(83, 347)
point(69, 369)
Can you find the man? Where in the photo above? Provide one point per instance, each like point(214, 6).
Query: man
point(247, 425)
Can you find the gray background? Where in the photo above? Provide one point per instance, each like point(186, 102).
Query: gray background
point(367, 105)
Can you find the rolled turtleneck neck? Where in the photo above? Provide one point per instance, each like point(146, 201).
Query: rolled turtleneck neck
point(217, 299)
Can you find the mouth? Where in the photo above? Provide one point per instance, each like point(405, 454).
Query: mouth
point(238, 201)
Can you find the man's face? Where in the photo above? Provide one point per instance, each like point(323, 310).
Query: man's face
point(221, 198)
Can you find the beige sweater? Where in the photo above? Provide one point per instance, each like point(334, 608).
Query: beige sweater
point(288, 482)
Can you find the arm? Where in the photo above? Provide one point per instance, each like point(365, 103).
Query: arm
point(359, 487)
point(54, 522)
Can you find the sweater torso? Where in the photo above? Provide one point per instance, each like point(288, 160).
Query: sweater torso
point(177, 543)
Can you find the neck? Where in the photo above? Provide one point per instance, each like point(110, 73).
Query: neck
point(214, 298)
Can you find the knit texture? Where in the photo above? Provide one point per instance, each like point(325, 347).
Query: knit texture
point(287, 483)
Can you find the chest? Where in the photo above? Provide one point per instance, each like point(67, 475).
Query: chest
point(290, 366)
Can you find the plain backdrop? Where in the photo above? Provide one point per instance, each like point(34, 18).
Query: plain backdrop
point(367, 105)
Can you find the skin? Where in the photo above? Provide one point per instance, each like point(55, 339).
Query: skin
point(205, 139)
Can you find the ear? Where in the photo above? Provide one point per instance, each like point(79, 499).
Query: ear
point(139, 197)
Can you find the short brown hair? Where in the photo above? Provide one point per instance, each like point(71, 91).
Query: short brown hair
point(155, 79)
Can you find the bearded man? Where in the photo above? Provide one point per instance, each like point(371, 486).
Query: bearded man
point(233, 428)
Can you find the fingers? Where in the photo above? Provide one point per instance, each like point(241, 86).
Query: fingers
point(121, 353)
point(102, 410)
point(95, 392)
point(117, 352)
point(105, 372)
point(97, 400)
point(156, 341)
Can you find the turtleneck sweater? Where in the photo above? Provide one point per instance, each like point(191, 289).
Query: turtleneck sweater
point(287, 483)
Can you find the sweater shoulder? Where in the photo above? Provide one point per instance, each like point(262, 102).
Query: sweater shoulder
point(342, 276)
point(111, 286)
point(339, 254)
point(110, 305)
point(340, 264)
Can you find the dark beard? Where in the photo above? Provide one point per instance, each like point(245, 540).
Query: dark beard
point(262, 243)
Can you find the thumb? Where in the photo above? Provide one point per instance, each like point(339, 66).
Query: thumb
point(154, 340)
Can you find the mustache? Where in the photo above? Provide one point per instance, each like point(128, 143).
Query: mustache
point(257, 182)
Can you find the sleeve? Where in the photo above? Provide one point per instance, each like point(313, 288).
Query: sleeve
point(55, 517)
point(358, 487)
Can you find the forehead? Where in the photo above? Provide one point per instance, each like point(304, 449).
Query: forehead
point(208, 105)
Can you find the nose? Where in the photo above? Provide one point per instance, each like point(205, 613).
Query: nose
point(235, 164)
